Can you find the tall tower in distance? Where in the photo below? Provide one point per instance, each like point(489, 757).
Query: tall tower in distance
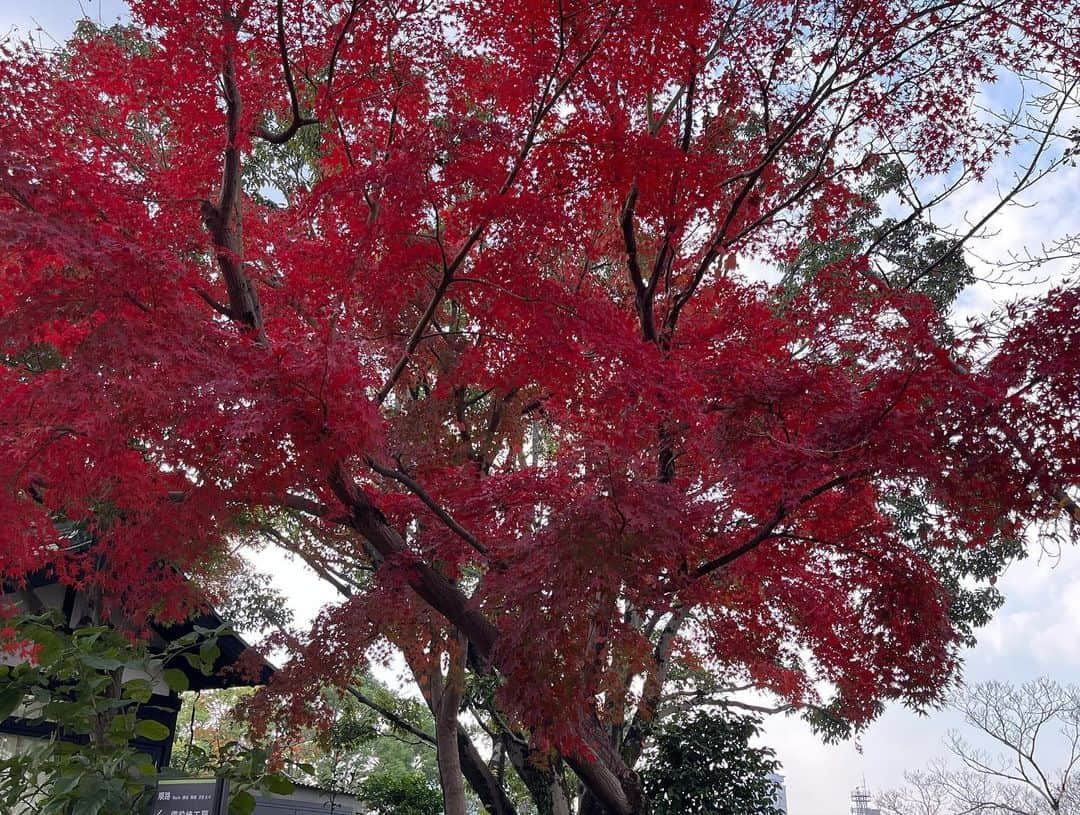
point(860, 801)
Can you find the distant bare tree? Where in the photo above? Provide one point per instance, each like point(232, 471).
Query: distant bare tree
point(1029, 763)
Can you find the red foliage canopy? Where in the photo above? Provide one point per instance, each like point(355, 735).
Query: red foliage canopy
point(491, 335)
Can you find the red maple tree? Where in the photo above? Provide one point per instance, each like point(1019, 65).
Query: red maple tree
point(451, 291)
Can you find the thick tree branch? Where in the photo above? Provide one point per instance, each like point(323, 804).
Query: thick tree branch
point(765, 530)
point(484, 783)
point(298, 119)
point(394, 719)
point(340, 41)
point(409, 483)
point(224, 221)
point(644, 720)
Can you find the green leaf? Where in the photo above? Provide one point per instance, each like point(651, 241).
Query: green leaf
point(120, 727)
point(10, 699)
point(196, 662)
point(88, 636)
point(279, 784)
point(65, 784)
point(139, 689)
point(102, 663)
point(55, 806)
point(243, 803)
point(149, 729)
point(209, 653)
point(51, 645)
point(176, 680)
point(91, 804)
point(42, 696)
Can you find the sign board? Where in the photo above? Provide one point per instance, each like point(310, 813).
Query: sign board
point(190, 796)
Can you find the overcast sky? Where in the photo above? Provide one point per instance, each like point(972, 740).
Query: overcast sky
point(1036, 633)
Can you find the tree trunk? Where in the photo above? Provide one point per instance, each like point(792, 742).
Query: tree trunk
point(603, 772)
point(543, 784)
point(446, 732)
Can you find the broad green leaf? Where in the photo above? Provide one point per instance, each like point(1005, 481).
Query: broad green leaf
point(90, 804)
point(51, 645)
point(197, 662)
point(120, 727)
point(102, 663)
point(176, 680)
point(243, 803)
point(139, 689)
point(279, 784)
point(209, 652)
point(10, 699)
point(149, 729)
point(65, 784)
